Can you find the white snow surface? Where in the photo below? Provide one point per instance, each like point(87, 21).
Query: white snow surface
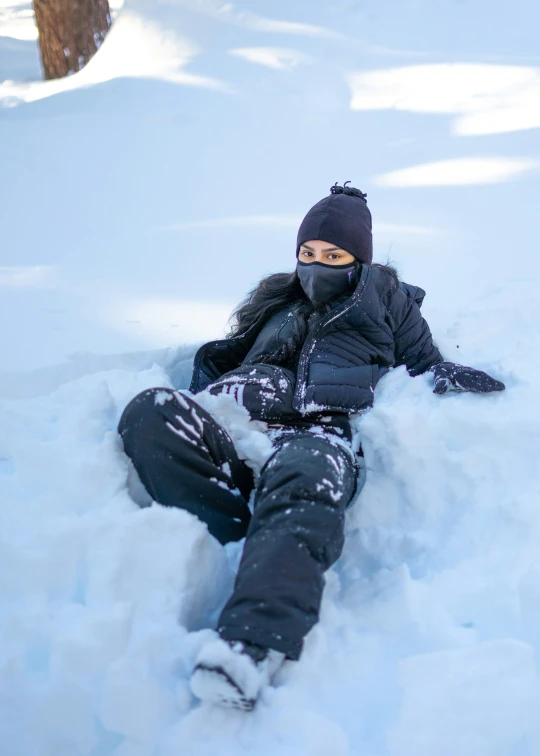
point(430, 626)
point(430, 622)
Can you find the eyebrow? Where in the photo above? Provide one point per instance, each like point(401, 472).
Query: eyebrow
point(328, 249)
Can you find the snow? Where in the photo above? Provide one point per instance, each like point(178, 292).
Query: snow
point(249, 437)
point(218, 661)
point(430, 622)
point(17, 18)
point(430, 625)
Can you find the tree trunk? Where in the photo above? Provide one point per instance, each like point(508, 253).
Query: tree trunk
point(70, 33)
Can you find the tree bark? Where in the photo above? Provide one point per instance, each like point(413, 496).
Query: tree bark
point(70, 33)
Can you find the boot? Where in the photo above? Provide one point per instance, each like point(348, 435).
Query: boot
point(233, 673)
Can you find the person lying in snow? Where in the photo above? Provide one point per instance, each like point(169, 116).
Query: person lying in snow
point(306, 351)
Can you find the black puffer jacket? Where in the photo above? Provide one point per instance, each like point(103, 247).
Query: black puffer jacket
point(347, 352)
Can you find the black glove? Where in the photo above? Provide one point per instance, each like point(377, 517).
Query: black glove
point(452, 377)
point(266, 391)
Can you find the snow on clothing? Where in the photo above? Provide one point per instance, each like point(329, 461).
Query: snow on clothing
point(348, 351)
point(267, 392)
point(233, 674)
point(184, 458)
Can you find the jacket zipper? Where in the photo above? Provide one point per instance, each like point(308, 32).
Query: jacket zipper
point(301, 378)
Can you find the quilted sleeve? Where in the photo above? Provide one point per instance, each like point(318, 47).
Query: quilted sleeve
point(414, 343)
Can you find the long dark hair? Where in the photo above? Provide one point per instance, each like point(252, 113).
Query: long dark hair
point(275, 293)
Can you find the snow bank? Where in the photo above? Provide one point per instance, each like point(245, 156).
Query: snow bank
point(430, 622)
point(177, 361)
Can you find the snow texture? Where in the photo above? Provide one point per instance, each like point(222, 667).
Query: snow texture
point(430, 626)
point(430, 621)
point(226, 675)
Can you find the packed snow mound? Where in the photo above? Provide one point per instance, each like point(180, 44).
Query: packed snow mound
point(430, 623)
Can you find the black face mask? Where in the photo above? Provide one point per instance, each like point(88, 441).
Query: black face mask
point(323, 283)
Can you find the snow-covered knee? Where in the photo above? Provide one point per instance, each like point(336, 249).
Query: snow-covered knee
point(142, 407)
point(312, 469)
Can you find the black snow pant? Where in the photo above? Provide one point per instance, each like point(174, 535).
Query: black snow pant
point(185, 459)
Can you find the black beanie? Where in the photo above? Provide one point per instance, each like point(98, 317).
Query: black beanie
point(343, 219)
